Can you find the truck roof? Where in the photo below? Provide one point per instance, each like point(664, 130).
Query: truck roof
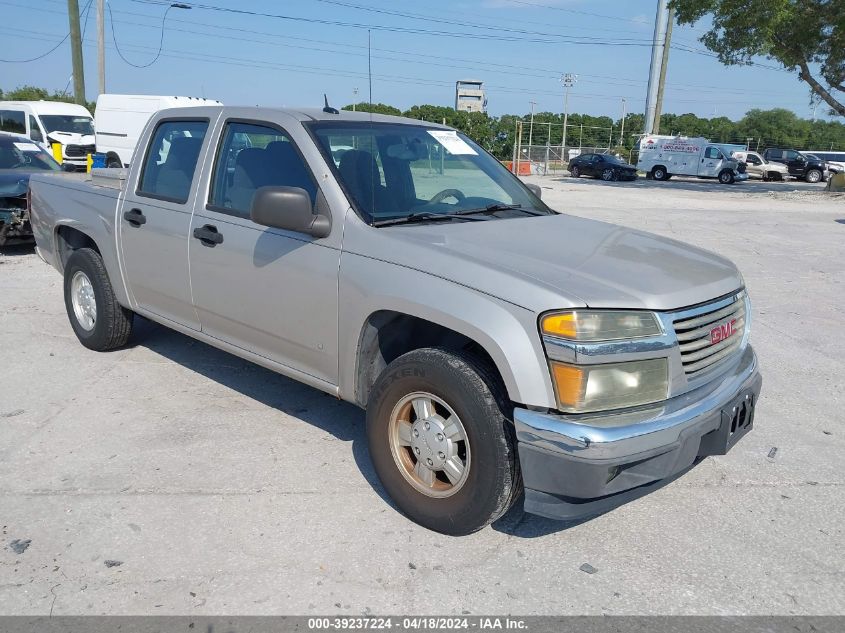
point(317, 114)
point(50, 107)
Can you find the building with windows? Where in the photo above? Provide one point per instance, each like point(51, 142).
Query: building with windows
point(469, 96)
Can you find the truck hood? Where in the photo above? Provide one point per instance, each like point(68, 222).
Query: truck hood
point(70, 138)
point(580, 261)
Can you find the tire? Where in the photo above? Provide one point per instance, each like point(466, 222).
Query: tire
point(98, 320)
point(659, 173)
point(813, 176)
point(608, 174)
point(726, 177)
point(113, 161)
point(575, 172)
point(465, 393)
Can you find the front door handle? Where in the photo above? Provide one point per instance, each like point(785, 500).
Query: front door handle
point(135, 217)
point(208, 235)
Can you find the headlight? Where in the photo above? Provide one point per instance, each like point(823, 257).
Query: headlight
point(600, 325)
point(586, 388)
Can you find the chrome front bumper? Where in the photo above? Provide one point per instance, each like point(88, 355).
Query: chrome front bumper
point(575, 466)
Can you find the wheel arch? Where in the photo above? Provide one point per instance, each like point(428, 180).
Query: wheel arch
point(387, 334)
point(68, 238)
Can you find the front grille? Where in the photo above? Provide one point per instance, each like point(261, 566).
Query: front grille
point(710, 335)
point(80, 150)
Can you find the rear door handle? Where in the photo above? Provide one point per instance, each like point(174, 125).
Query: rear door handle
point(135, 217)
point(208, 235)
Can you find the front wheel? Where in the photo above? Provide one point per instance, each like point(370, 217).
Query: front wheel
point(813, 176)
point(726, 177)
point(98, 320)
point(659, 173)
point(113, 162)
point(442, 442)
point(608, 174)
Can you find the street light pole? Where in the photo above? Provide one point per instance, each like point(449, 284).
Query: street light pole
point(101, 45)
point(568, 81)
point(531, 126)
point(622, 132)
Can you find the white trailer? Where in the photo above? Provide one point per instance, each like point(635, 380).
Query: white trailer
point(662, 157)
point(120, 120)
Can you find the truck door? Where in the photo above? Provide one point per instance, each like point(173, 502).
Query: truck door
point(795, 162)
point(270, 291)
point(155, 218)
point(711, 162)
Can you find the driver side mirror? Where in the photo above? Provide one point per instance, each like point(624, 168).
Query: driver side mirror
point(535, 189)
point(288, 208)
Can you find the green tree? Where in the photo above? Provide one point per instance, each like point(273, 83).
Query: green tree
point(799, 34)
point(375, 108)
point(33, 93)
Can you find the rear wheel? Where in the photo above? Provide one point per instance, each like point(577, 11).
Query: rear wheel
point(98, 320)
point(814, 176)
point(442, 442)
point(575, 171)
point(659, 173)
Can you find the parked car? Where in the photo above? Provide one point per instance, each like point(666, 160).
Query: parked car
point(831, 167)
point(19, 158)
point(759, 167)
point(496, 344)
point(835, 159)
point(48, 122)
point(604, 166)
point(120, 119)
point(799, 165)
point(662, 157)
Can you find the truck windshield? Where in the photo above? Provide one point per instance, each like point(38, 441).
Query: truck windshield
point(64, 123)
point(395, 171)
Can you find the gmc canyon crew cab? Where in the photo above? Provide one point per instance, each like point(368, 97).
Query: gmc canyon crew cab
point(498, 346)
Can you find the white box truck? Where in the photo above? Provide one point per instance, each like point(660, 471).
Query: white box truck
point(48, 122)
point(120, 120)
point(662, 157)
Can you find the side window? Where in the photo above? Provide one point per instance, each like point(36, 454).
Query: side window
point(172, 160)
point(713, 152)
point(751, 159)
point(12, 121)
point(34, 130)
point(791, 155)
point(253, 156)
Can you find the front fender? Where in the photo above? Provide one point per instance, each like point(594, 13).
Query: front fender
point(507, 332)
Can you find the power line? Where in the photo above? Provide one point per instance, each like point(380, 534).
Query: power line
point(43, 55)
point(160, 41)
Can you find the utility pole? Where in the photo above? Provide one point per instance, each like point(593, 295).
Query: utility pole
point(663, 65)
point(568, 81)
point(101, 45)
point(660, 26)
point(531, 127)
point(622, 132)
point(76, 51)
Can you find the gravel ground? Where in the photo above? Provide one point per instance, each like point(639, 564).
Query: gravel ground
point(172, 478)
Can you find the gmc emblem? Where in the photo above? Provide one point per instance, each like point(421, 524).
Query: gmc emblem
point(723, 331)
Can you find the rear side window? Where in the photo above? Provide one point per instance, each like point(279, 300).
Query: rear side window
point(172, 160)
point(253, 156)
point(12, 121)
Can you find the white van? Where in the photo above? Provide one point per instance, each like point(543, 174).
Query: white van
point(120, 119)
point(662, 157)
point(48, 122)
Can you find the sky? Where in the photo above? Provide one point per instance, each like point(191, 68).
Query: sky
point(288, 53)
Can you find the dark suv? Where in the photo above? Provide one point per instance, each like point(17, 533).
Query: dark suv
point(799, 165)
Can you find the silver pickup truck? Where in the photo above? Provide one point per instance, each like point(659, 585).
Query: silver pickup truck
point(498, 346)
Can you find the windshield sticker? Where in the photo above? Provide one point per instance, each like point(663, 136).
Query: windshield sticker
point(452, 142)
point(27, 147)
